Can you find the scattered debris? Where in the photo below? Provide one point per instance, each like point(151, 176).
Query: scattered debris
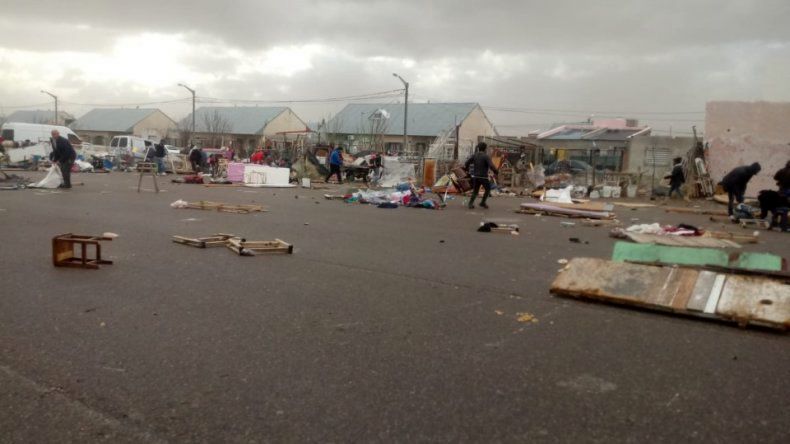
point(63, 251)
point(237, 244)
point(695, 211)
point(492, 227)
point(219, 206)
point(552, 209)
point(562, 261)
point(526, 317)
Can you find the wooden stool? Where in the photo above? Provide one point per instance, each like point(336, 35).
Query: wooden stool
point(144, 168)
point(63, 251)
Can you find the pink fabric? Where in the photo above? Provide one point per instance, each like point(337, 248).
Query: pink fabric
point(236, 172)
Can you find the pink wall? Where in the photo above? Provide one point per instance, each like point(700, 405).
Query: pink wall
point(740, 133)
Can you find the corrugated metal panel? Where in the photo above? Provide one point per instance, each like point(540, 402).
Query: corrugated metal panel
point(243, 119)
point(658, 156)
point(117, 120)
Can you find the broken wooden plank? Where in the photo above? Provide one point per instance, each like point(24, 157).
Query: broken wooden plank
point(695, 211)
point(681, 241)
point(747, 300)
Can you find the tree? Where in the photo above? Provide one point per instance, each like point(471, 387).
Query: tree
point(379, 124)
point(184, 131)
point(332, 131)
point(217, 128)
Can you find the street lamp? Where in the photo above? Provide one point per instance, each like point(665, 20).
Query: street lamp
point(56, 104)
point(193, 109)
point(405, 112)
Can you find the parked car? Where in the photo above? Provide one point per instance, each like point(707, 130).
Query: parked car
point(568, 167)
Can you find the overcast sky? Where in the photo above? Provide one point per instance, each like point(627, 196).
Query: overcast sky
point(558, 60)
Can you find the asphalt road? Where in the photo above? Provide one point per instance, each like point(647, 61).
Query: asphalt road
point(384, 325)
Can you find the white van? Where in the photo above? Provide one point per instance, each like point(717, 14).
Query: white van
point(130, 145)
point(35, 133)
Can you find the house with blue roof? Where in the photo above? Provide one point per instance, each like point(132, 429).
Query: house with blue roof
point(379, 126)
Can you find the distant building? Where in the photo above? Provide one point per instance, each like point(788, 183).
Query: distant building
point(379, 126)
point(604, 139)
point(245, 127)
point(46, 117)
point(99, 126)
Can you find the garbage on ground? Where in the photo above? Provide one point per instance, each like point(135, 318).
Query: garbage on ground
point(746, 297)
point(404, 194)
point(53, 179)
point(237, 244)
point(493, 227)
point(219, 206)
point(12, 181)
point(680, 235)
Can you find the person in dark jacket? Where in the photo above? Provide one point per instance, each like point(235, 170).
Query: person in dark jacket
point(676, 178)
point(480, 166)
point(195, 158)
point(782, 178)
point(64, 155)
point(161, 152)
point(734, 183)
point(335, 162)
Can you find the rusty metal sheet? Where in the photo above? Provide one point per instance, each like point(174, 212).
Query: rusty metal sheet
point(743, 299)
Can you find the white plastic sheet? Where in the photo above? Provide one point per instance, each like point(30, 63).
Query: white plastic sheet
point(395, 172)
point(561, 196)
point(53, 179)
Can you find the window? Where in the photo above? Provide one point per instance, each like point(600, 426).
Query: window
point(122, 142)
point(657, 156)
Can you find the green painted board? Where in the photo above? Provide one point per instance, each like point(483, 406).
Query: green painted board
point(628, 251)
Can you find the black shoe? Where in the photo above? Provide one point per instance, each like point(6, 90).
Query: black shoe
point(482, 205)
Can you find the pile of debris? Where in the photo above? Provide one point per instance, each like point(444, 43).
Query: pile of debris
point(12, 181)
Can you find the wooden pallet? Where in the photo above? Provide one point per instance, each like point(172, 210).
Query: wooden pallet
point(217, 240)
point(733, 295)
point(253, 248)
point(225, 208)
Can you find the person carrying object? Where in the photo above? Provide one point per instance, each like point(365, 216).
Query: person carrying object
point(676, 177)
point(195, 158)
point(335, 162)
point(64, 155)
point(735, 182)
point(480, 164)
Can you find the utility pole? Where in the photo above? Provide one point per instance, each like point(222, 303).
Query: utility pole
point(193, 110)
point(56, 104)
point(405, 112)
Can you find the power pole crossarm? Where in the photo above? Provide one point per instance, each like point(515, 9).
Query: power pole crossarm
point(405, 112)
point(193, 109)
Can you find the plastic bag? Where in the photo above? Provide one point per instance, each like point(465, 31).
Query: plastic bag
point(53, 179)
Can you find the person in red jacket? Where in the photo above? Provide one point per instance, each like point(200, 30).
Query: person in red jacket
point(257, 157)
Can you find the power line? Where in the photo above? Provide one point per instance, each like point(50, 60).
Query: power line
point(376, 95)
point(25, 106)
point(124, 105)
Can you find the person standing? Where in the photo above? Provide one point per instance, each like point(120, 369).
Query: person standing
point(335, 162)
point(480, 164)
point(734, 183)
point(64, 155)
point(676, 178)
point(161, 152)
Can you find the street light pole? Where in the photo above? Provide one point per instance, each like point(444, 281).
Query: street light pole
point(56, 104)
point(193, 109)
point(405, 112)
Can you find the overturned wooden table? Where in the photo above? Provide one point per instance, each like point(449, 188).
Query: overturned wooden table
point(63, 251)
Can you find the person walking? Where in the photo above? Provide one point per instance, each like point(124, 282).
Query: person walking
point(64, 155)
point(161, 152)
point(335, 162)
point(676, 177)
point(480, 164)
point(734, 183)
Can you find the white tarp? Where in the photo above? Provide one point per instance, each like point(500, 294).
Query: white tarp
point(562, 196)
point(395, 172)
point(53, 179)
